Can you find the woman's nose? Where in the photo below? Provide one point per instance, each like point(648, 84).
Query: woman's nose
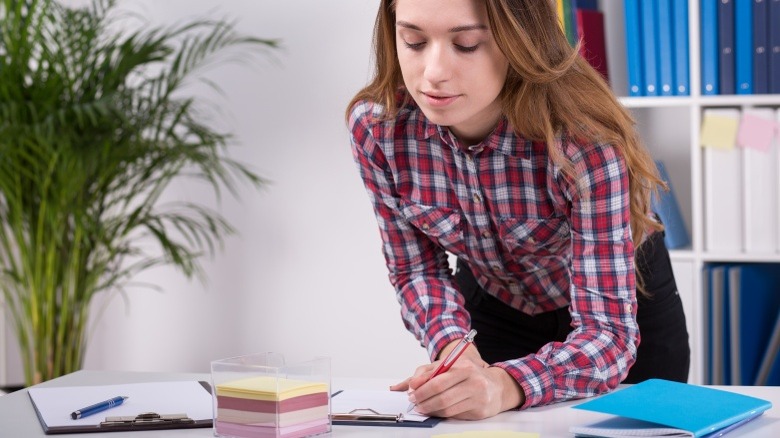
point(438, 64)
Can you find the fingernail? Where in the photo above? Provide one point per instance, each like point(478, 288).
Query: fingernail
point(412, 398)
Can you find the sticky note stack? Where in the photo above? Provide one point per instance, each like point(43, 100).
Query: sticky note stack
point(267, 406)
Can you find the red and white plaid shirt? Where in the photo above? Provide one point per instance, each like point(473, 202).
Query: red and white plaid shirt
point(532, 238)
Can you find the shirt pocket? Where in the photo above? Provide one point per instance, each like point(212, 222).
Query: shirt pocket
point(537, 236)
point(442, 225)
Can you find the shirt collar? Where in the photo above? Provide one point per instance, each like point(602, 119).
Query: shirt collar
point(503, 139)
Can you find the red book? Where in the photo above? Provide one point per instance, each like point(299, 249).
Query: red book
point(590, 29)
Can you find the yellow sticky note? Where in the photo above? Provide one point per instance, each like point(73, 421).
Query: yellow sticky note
point(269, 388)
point(719, 131)
point(488, 434)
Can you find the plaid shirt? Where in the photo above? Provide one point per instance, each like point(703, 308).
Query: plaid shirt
point(533, 239)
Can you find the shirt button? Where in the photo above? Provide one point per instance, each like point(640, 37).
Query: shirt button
point(476, 198)
point(495, 267)
point(628, 308)
point(486, 234)
point(531, 240)
point(425, 226)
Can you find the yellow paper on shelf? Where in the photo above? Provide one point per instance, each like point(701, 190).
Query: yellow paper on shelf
point(488, 434)
point(719, 131)
point(559, 9)
point(269, 388)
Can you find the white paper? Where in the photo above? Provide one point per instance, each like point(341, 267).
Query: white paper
point(383, 402)
point(187, 397)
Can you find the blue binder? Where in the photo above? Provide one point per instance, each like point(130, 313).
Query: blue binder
point(774, 44)
point(680, 32)
point(743, 45)
point(725, 328)
point(769, 373)
point(668, 209)
point(757, 306)
point(588, 4)
point(699, 410)
point(726, 46)
point(649, 22)
point(718, 363)
point(760, 47)
point(665, 48)
point(634, 48)
point(710, 76)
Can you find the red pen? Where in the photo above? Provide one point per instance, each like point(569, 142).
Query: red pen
point(446, 364)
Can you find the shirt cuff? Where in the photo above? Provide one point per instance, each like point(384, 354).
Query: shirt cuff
point(535, 380)
point(444, 337)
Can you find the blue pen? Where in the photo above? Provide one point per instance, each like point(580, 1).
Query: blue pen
point(97, 407)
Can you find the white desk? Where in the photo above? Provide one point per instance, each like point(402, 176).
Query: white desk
point(18, 419)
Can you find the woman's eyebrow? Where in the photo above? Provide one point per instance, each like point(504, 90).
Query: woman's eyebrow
point(464, 28)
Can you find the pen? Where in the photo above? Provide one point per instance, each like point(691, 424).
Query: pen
point(450, 359)
point(97, 407)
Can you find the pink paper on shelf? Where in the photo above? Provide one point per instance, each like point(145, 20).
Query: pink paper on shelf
point(756, 132)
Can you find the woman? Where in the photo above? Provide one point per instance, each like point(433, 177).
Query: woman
point(483, 134)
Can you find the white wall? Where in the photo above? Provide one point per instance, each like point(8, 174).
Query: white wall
point(305, 276)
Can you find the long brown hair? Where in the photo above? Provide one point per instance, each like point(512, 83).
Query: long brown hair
point(550, 90)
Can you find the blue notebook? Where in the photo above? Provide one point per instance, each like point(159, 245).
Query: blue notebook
point(634, 48)
point(697, 411)
point(665, 205)
point(726, 46)
point(760, 47)
point(680, 31)
point(665, 48)
point(774, 47)
point(710, 83)
point(743, 46)
point(649, 24)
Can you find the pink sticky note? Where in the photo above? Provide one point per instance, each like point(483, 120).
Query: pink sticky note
point(755, 132)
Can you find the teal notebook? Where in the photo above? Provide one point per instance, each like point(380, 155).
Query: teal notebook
point(658, 407)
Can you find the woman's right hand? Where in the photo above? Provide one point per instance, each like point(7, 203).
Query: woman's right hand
point(423, 372)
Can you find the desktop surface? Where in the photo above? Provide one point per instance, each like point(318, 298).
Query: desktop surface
point(18, 419)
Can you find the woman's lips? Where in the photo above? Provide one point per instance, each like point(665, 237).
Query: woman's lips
point(439, 100)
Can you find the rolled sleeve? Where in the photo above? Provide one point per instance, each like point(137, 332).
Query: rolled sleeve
point(598, 353)
point(431, 307)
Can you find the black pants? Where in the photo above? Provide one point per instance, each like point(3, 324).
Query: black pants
point(506, 333)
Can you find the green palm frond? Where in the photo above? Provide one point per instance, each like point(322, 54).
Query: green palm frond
point(94, 127)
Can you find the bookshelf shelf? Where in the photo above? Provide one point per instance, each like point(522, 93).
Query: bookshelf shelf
point(739, 100)
point(685, 255)
point(656, 102)
point(670, 127)
point(740, 258)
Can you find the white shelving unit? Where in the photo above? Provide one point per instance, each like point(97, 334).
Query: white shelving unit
point(670, 128)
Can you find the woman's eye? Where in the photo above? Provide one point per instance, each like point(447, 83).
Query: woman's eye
point(466, 49)
point(414, 46)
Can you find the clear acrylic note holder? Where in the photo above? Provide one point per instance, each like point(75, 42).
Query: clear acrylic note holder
point(261, 395)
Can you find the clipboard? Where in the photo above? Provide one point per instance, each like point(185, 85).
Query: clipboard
point(392, 414)
point(52, 406)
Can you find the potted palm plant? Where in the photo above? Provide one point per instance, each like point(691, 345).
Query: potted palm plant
point(93, 128)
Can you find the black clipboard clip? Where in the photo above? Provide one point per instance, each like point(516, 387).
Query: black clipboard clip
point(367, 414)
point(147, 419)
